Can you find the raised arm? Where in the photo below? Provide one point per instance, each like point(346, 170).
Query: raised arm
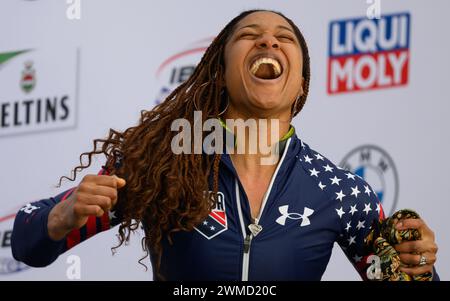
point(47, 228)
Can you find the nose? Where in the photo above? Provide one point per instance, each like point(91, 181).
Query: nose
point(267, 41)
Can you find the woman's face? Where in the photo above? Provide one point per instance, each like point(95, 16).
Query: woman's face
point(263, 66)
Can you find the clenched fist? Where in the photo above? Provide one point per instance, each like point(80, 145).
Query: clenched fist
point(95, 195)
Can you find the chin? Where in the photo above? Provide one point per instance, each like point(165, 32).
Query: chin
point(267, 101)
point(267, 107)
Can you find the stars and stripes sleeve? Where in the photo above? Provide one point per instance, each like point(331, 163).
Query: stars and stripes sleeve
point(30, 241)
point(358, 217)
point(359, 209)
point(353, 205)
point(354, 209)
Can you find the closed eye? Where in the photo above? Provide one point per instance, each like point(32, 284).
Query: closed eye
point(285, 38)
point(247, 35)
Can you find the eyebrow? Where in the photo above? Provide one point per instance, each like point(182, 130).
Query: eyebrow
point(257, 26)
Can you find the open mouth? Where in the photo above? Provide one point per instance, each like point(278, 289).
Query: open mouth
point(266, 68)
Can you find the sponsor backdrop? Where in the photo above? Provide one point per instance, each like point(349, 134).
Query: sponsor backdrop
point(378, 103)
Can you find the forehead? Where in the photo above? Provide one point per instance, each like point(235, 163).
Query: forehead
point(263, 19)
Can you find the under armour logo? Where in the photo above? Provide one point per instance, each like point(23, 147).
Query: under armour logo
point(285, 214)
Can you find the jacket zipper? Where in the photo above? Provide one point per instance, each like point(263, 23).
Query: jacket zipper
point(248, 237)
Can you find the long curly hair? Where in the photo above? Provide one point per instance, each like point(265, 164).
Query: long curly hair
point(166, 192)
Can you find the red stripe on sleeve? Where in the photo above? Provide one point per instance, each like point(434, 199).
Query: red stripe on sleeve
point(105, 222)
point(67, 194)
point(103, 171)
point(381, 216)
point(91, 226)
point(73, 238)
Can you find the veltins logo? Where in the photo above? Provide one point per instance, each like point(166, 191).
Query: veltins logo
point(28, 77)
point(38, 90)
point(377, 168)
point(177, 68)
point(366, 54)
point(8, 265)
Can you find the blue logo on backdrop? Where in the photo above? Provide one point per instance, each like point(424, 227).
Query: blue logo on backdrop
point(377, 168)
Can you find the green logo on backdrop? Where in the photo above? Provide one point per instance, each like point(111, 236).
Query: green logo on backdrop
point(28, 78)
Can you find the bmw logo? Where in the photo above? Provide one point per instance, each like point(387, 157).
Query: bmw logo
point(377, 168)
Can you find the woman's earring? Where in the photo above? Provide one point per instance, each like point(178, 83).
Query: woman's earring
point(294, 107)
point(195, 93)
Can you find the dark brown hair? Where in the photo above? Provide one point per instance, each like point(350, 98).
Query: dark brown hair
point(165, 192)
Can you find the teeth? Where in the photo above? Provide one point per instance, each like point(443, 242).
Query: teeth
point(266, 60)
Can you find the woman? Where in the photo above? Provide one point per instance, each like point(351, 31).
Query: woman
point(259, 222)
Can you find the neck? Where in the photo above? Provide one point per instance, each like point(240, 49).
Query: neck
point(256, 139)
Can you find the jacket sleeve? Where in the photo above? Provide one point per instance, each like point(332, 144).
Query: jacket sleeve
point(356, 223)
point(30, 242)
point(367, 209)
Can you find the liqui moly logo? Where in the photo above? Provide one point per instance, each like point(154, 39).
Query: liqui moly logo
point(366, 54)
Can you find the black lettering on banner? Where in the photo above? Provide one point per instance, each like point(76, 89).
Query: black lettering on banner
point(6, 240)
point(64, 107)
point(16, 114)
point(32, 111)
point(38, 111)
point(382, 165)
point(185, 73)
point(4, 114)
point(50, 109)
point(172, 76)
point(365, 155)
point(181, 74)
point(27, 104)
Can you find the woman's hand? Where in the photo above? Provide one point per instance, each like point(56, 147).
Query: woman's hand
point(411, 252)
point(95, 195)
